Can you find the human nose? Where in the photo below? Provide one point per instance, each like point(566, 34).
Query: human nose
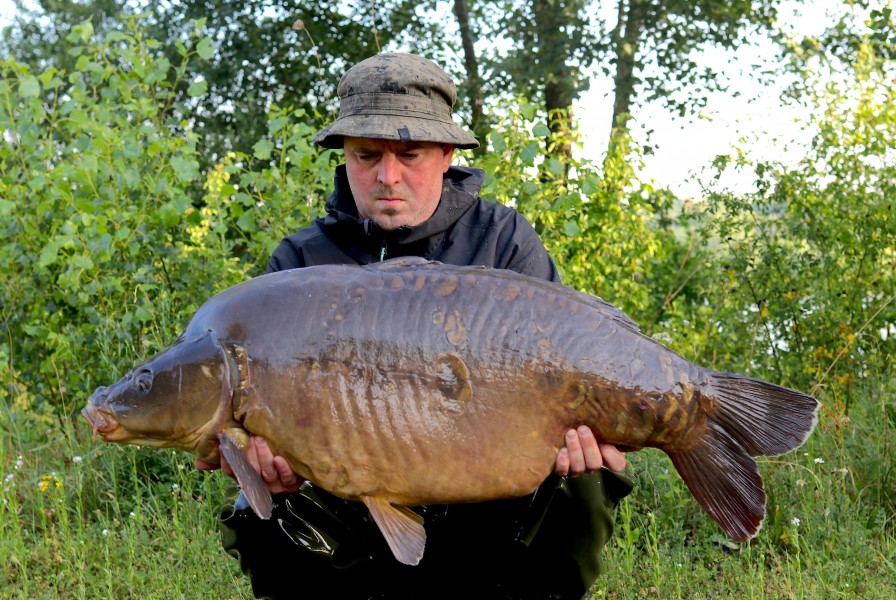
point(388, 170)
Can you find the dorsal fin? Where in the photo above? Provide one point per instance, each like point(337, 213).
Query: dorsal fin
point(400, 262)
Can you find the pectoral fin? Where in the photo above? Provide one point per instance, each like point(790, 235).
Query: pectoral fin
point(233, 448)
point(402, 528)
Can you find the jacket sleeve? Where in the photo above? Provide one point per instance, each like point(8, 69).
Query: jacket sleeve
point(286, 256)
point(523, 251)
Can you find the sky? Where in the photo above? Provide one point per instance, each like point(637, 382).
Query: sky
point(685, 147)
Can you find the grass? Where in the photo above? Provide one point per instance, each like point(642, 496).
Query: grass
point(80, 519)
point(829, 532)
point(84, 520)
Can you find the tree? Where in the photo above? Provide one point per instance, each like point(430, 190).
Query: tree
point(554, 45)
point(287, 52)
point(273, 52)
point(665, 35)
point(543, 50)
point(471, 65)
point(39, 34)
point(266, 53)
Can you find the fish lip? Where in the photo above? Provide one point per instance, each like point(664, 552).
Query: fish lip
point(103, 422)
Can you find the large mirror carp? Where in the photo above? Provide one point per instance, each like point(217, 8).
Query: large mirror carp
point(410, 382)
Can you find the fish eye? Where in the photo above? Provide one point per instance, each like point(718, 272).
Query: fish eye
point(142, 381)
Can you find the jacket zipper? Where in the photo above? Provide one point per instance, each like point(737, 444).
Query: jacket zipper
point(383, 252)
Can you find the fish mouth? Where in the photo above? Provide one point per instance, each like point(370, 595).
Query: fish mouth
point(102, 418)
point(104, 423)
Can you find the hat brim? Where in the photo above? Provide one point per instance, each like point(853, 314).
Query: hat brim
point(397, 128)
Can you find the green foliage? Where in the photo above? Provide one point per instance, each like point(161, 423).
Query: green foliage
point(601, 228)
point(271, 52)
point(111, 235)
point(95, 188)
point(542, 50)
point(81, 521)
point(112, 232)
point(828, 530)
point(807, 262)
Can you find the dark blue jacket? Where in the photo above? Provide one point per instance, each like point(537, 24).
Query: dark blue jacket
point(465, 230)
point(546, 545)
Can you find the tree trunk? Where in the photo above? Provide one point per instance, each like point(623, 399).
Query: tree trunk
point(474, 82)
point(552, 21)
point(626, 41)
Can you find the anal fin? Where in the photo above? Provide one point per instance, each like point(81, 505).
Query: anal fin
point(402, 528)
point(233, 448)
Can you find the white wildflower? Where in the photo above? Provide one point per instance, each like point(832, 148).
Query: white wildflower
point(77, 459)
point(819, 461)
point(795, 521)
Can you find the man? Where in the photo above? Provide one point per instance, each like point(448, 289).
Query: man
point(398, 195)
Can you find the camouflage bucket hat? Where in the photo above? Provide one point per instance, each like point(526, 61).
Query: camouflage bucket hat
point(394, 96)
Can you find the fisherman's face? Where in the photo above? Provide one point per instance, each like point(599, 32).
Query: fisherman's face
point(396, 183)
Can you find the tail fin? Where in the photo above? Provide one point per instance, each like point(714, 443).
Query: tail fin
point(750, 417)
point(725, 481)
point(765, 418)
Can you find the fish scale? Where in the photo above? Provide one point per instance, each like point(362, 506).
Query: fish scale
point(412, 382)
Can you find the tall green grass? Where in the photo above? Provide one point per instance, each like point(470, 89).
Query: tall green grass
point(80, 519)
point(830, 530)
point(87, 520)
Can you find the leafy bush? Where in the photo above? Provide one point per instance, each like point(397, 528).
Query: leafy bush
point(111, 235)
point(601, 225)
point(806, 264)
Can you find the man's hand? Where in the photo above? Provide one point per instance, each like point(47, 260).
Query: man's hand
point(274, 469)
point(583, 454)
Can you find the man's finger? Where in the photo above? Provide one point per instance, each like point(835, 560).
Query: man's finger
point(613, 457)
point(561, 466)
point(590, 449)
point(289, 481)
point(576, 457)
point(265, 460)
